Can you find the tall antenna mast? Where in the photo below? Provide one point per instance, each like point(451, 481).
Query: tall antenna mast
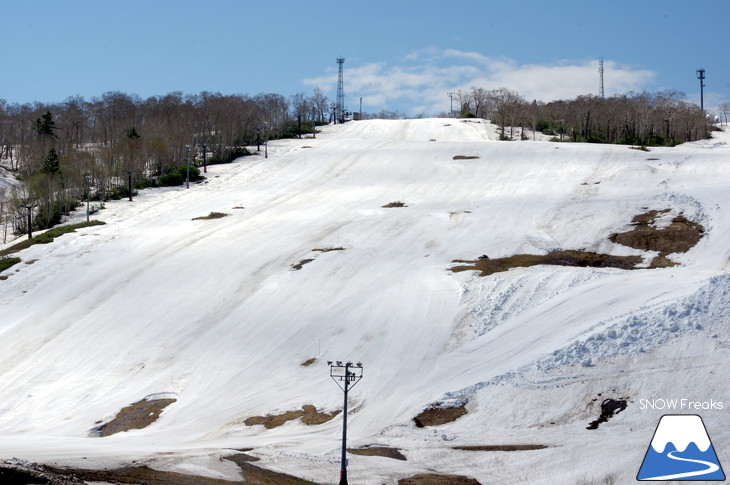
point(340, 114)
point(600, 73)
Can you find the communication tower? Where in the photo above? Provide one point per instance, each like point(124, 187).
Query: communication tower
point(340, 108)
point(600, 73)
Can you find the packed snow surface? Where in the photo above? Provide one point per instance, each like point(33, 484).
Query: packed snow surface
point(221, 314)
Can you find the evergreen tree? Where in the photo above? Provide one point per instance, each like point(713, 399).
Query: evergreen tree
point(45, 125)
point(132, 133)
point(51, 163)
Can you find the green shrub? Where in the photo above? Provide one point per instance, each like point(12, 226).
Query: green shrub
point(145, 183)
point(120, 192)
point(5, 263)
point(177, 176)
point(171, 179)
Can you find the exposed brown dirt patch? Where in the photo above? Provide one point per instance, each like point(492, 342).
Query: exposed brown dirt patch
point(679, 236)
point(141, 475)
point(433, 479)
point(135, 416)
point(309, 362)
point(465, 157)
point(584, 259)
point(501, 447)
point(309, 415)
point(300, 264)
point(439, 416)
point(327, 250)
point(397, 203)
point(212, 215)
point(255, 475)
point(251, 474)
point(379, 451)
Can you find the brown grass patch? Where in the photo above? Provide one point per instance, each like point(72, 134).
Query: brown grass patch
point(397, 203)
point(327, 250)
point(255, 475)
point(439, 416)
point(308, 414)
point(465, 157)
point(212, 215)
point(678, 237)
point(379, 451)
point(141, 474)
point(500, 447)
point(434, 479)
point(135, 416)
point(251, 474)
point(559, 258)
point(309, 362)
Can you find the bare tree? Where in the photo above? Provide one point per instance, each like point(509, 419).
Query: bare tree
point(725, 110)
point(320, 103)
point(300, 108)
point(506, 106)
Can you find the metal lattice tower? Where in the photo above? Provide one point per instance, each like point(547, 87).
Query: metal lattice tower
point(340, 115)
point(600, 72)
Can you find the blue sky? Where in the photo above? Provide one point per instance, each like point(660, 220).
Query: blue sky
point(400, 55)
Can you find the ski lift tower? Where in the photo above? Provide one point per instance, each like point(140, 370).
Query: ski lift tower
point(346, 376)
point(340, 109)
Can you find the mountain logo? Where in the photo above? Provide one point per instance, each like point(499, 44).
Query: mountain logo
point(681, 450)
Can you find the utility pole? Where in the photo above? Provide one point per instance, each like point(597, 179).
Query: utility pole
point(361, 108)
point(87, 179)
point(701, 77)
point(204, 146)
point(450, 94)
point(29, 205)
point(129, 183)
point(266, 139)
point(187, 166)
point(350, 375)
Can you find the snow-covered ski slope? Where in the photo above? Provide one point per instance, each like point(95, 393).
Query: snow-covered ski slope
point(214, 313)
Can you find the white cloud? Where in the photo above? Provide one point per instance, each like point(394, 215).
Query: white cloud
point(420, 81)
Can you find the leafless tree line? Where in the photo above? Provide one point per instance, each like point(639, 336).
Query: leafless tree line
point(64, 150)
point(664, 118)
